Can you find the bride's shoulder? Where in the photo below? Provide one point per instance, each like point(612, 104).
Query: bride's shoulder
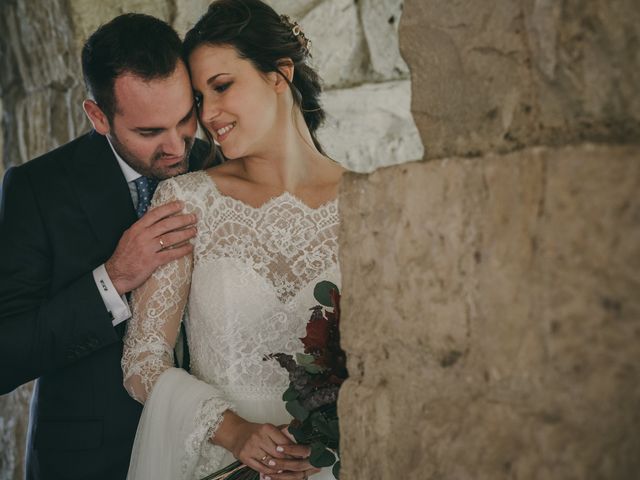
point(188, 187)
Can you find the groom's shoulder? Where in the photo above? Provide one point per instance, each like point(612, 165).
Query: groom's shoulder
point(52, 162)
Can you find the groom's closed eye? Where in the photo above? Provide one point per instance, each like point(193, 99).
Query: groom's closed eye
point(150, 133)
point(187, 117)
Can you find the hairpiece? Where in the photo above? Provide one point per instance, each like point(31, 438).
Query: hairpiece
point(297, 32)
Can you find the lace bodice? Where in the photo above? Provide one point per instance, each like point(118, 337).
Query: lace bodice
point(247, 288)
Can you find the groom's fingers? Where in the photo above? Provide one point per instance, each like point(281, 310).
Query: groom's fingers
point(172, 254)
point(175, 238)
point(162, 211)
point(159, 237)
point(169, 224)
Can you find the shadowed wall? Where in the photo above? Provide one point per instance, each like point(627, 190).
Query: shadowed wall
point(491, 313)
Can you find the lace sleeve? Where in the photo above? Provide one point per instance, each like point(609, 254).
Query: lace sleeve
point(157, 307)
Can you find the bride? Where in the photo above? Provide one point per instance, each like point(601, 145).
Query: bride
point(267, 233)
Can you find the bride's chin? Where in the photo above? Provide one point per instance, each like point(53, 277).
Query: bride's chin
point(230, 153)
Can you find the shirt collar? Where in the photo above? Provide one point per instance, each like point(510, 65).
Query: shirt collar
point(129, 173)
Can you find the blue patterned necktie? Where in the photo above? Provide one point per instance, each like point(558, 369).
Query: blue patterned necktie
point(146, 187)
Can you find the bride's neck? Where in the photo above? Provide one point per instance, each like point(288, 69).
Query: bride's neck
point(290, 163)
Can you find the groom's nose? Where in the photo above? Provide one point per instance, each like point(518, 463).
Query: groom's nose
point(174, 145)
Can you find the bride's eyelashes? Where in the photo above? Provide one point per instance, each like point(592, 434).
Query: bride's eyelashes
point(222, 87)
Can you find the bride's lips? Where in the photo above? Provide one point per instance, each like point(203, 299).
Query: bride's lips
point(221, 132)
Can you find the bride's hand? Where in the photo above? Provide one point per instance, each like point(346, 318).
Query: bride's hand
point(264, 448)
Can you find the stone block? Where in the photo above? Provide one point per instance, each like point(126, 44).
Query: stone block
point(40, 44)
point(338, 46)
point(370, 126)
point(187, 13)
point(296, 9)
point(380, 20)
point(491, 317)
point(498, 76)
point(87, 16)
point(13, 431)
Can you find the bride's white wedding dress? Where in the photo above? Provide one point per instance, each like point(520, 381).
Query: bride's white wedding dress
point(247, 291)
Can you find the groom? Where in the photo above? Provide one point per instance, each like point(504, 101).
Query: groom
point(75, 238)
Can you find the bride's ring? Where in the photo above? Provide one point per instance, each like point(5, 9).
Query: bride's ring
point(264, 458)
point(161, 243)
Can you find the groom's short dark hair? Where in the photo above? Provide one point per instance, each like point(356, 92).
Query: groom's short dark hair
point(130, 43)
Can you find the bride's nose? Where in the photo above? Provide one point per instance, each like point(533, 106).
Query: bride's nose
point(209, 110)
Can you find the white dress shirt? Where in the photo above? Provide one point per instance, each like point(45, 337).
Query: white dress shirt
point(117, 305)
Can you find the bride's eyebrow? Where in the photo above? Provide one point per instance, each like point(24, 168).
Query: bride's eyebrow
point(213, 78)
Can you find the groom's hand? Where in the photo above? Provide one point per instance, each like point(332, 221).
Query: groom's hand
point(160, 236)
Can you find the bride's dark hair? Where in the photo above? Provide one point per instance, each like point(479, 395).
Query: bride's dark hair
point(260, 35)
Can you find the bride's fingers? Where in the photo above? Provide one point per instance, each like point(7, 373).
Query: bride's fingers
point(277, 442)
point(296, 451)
point(291, 465)
point(260, 467)
point(295, 475)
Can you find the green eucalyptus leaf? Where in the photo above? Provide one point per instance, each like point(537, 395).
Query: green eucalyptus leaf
point(322, 292)
point(320, 456)
point(336, 469)
point(290, 394)
point(299, 434)
point(304, 359)
point(296, 409)
point(321, 423)
point(334, 429)
point(313, 369)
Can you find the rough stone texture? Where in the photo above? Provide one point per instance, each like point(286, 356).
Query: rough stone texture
point(491, 317)
point(13, 432)
point(370, 126)
point(87, 15)
point(187, 13)
point(38, 80)
point(338, 47)
point(497, 76)
point(380, 19)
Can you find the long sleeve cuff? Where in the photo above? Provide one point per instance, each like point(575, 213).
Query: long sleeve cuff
point(116, 305)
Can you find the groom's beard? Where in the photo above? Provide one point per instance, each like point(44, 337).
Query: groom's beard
point(152, 167)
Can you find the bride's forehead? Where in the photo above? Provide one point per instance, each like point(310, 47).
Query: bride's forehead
point(207, 57)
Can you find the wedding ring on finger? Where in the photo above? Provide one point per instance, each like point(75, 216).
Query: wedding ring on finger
point(161, 244)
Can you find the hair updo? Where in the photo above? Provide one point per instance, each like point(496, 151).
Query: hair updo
point(263, 37)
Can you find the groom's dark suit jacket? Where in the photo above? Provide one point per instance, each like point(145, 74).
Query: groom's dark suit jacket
point(61, 216)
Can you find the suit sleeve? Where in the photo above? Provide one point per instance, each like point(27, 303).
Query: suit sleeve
point(40, 330)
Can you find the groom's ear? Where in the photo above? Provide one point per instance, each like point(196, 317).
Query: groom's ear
point(96, 116)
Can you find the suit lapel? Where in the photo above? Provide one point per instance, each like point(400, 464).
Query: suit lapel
point(102, 189)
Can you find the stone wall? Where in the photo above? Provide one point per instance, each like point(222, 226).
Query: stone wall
point(355, 48)
point(491, 314)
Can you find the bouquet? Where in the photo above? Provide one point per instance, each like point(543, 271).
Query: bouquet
point(315, 377)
